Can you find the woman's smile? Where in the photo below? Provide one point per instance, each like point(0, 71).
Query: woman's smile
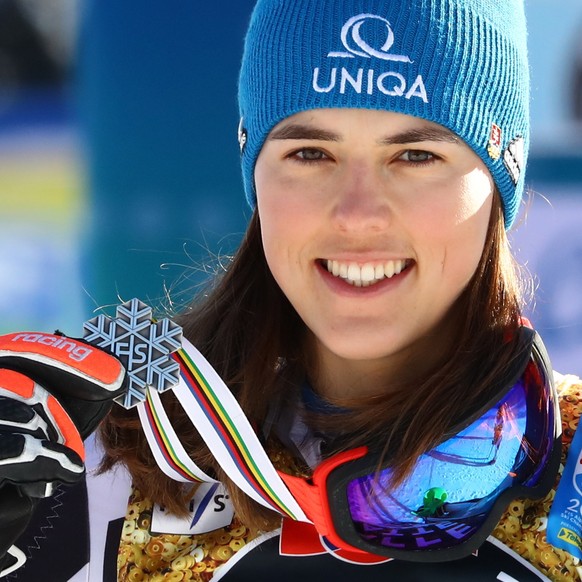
point(367, 274)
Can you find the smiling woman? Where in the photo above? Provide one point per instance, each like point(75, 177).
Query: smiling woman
point(366, 189)
point(362, 384)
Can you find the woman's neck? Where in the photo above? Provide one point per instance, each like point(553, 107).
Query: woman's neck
point(339, 380)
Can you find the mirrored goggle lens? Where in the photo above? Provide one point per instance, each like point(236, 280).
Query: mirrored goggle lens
point(464, 482)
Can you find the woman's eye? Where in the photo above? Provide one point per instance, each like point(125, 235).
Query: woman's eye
point(310, 155)
point(417, 156)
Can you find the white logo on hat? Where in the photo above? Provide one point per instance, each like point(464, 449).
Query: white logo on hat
point(351, 35)
point(347, 79)
point(513, 157)
point(242, 135)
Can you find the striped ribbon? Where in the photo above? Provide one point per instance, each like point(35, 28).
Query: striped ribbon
point(165, 445)
point(222, 424)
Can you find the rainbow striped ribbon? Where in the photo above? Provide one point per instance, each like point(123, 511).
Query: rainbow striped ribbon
point(222, 424)
point(165, 445)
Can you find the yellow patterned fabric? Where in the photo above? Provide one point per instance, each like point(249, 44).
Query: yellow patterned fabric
point(523, 525)
point(166, 557)
point(146, 557)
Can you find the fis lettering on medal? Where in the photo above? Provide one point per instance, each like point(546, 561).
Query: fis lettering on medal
point(143, 344)
point(389, 82)
point(75, 351)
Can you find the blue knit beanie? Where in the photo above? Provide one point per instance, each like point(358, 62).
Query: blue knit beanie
point(460, 63)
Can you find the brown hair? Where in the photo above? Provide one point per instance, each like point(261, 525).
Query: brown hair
point(246, 327)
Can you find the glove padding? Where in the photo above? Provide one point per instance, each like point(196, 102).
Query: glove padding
point(53, 392)
point(40, 443)
point(84, 378)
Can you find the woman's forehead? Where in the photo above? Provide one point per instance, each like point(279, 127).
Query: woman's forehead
point(335, 124)
point(330, 124)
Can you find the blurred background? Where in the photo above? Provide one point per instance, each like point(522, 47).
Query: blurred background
point(119, 172)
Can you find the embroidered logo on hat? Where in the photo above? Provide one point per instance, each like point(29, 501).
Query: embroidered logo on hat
point(242, 136)
point(353, 29)
point(494, 147)
point(513, 157)
point(370, 81)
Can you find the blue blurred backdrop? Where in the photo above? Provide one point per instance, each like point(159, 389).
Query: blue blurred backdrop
point(119, 172)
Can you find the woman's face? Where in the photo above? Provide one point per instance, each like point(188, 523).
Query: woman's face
point(373, 223)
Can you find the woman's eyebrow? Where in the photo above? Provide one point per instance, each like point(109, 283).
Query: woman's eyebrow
point(420, 134)
point(301, 131)
point(309, 132)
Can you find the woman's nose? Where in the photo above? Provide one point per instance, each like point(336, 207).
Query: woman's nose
point(361, 200)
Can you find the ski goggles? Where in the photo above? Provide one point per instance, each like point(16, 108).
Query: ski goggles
point(458, 490)
point(446, 508)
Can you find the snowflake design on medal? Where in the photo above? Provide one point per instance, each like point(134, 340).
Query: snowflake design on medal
point(143, 345)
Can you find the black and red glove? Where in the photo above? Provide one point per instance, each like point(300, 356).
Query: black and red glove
point(54, 391)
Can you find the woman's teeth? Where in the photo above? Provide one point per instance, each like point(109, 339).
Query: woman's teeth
point(367, 274)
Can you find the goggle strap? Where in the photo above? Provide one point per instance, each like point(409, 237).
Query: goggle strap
point(313, 498)
point(541, 355)
point(223, 426)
